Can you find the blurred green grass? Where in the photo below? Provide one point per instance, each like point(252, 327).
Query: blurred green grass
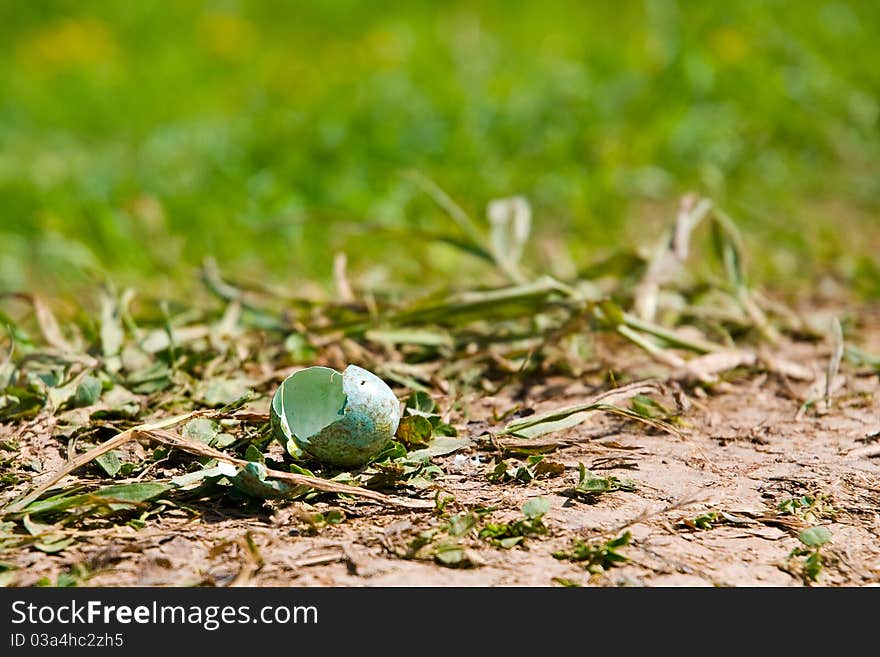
point(137, 137)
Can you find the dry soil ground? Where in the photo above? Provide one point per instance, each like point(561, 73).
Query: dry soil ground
point(743, 449)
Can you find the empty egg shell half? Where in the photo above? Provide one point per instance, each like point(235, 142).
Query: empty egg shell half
point(340, 419)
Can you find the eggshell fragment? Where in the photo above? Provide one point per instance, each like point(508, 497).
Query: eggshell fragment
point(340, 419)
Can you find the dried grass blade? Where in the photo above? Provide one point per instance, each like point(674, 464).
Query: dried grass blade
point(836, 356)
point(569, 416)
point(200, 449)
point(117, 441)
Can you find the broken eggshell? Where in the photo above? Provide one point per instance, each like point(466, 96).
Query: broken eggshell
point(340, 419)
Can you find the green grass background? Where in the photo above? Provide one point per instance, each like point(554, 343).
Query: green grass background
point(138, 137)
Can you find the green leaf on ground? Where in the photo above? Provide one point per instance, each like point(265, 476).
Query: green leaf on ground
point(814, 537)
point(201, 429)
point(221, 391)
point(439, 447)
point(590, 485)
point(536, 507)
point(414, 431)
point(110, 463)
point(597, 556)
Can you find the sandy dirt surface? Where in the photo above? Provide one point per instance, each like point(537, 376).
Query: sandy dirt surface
point(743, 449)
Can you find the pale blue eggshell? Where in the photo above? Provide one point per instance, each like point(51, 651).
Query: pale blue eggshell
point(340, 419)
